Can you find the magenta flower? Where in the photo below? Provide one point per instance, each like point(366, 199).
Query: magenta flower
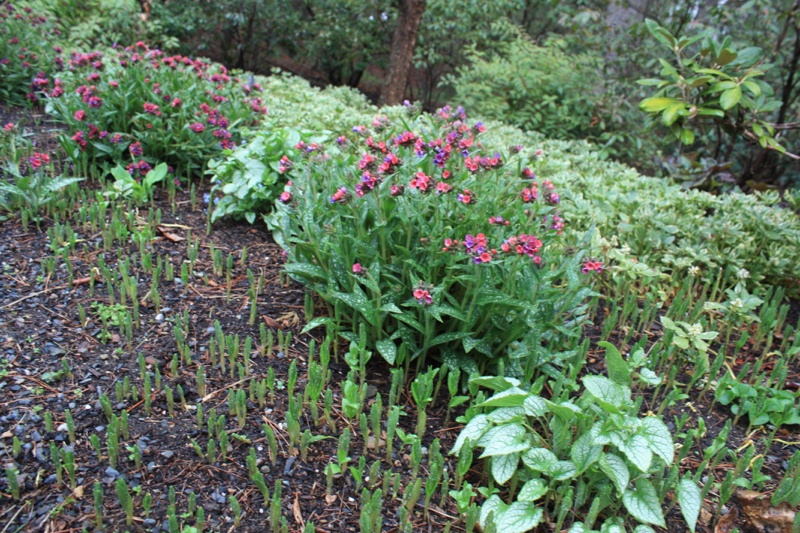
point(151, 109)
point(358, 269)
point(423, 297)
point(285, 197)
point(340, 196)
point(8, 127)
point(79, 115)
point(197, 127)
point(38, 159)
point(135, 149)
point(592, 266)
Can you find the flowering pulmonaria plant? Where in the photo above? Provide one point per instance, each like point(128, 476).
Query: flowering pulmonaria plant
point(140, 103)
point(430, 245)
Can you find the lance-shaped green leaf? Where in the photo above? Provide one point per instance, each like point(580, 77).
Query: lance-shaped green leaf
point(690, 498)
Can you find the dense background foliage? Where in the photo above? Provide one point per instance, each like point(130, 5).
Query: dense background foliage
point(589, 53)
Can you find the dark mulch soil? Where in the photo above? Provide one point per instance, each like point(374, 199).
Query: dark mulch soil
point(40, 329)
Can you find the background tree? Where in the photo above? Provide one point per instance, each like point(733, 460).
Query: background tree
point(409, 17)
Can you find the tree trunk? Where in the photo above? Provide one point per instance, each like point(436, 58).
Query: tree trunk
point(403, 43)
point(146, 7)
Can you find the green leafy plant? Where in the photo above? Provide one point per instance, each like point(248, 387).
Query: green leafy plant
point(28, 191)
point(27, 48)
point(140, 190)
point(249, 179)
point(147, 107)
point(716, 85)
point(593, 455)
point(761, 404)
point(457, 257)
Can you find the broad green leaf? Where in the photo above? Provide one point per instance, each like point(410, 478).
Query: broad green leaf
point(687, 136)
point(583, 453)
point(535, 406)
point(506, 414)
point(617, 471)
point(563, 470)
point(642, 502)
point(658, 437)
point(388, 350)
point(566, 411)
point(497, 383)
point(648, 376)
point(730, 98)
point(532, 490)
point(638, 452)
point(540, 459)
point(710, 112)
point(753, 87)
point(493, 505)
point(656, 104)
point(641, 528)
point(610, 395)
point(617, 366)
point(512, 397)
point(519, 518)
point(672, 113)
point(690, 499)
point(726, 56)
point(472, 431)
point(504, 440)
point(504, 466)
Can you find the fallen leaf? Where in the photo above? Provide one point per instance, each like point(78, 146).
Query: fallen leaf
point(78, 492)
point(728, 522)
point(298, 516)
point(761, 515)
point(271, 322)
point(7, 435)
point(170, 236)
point(330, 498)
